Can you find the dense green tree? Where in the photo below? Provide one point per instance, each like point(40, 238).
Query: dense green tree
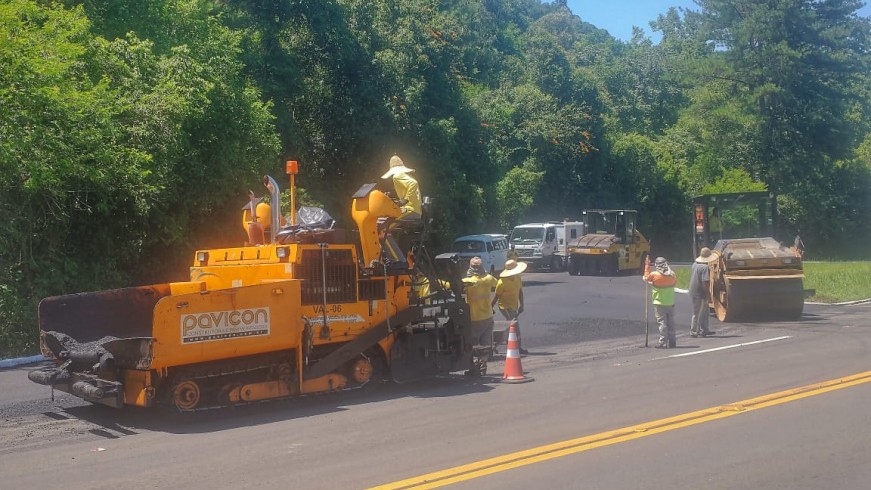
point(516, 193)
point(782, 84)
point(63, 164)
point(793, 63)
point(114, 159)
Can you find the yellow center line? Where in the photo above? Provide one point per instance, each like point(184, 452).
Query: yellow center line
point(572, 446)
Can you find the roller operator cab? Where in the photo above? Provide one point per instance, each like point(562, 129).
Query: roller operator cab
point(611, 245)
point(754, 277)
point(305, 312)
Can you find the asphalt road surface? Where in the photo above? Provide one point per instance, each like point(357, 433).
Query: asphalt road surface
point(770, 405)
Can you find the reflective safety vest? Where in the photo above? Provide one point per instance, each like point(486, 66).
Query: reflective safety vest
point(663, 287)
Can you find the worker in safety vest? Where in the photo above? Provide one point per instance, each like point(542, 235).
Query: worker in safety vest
point(407, 189)
point(663, 280)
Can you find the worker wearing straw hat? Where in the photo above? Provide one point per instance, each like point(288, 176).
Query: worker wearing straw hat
point(699, 289)
point(407, 189)
point(509, 294)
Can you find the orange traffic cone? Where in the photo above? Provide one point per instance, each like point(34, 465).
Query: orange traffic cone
point(513, 368)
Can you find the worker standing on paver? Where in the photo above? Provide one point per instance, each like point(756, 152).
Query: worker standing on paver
point(663, 280)
point(406, 187)
point(423, 288)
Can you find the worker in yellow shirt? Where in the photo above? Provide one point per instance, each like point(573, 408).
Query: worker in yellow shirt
point(422, 287)
point(479, 285)
point(407, 189)
point(509, 294)
point(405, 234)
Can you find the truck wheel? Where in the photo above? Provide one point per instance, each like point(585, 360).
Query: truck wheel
point(555, 262)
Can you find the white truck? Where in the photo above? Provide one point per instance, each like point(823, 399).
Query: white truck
point(543, 245)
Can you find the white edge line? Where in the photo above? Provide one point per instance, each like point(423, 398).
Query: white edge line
point(726, 347)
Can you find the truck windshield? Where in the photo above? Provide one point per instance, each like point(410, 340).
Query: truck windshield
point(527, 235)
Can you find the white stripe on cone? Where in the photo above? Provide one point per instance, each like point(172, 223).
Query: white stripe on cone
point(513, 369)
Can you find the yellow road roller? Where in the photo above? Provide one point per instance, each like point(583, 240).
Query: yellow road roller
point(755, 277)
point(610, 245)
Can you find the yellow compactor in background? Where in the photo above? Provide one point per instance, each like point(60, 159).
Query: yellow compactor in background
point(306, 312)
point(611, 244)
point(755, 277)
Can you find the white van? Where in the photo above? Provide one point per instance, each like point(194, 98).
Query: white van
point(493, 250)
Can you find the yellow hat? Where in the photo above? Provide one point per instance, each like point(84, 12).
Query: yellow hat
point(396, 167)
point(512, 268)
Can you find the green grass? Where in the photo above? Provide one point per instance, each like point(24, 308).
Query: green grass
point(838, 281)
point(833, 282)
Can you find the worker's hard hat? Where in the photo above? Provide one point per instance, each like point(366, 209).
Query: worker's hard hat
point(396, 167)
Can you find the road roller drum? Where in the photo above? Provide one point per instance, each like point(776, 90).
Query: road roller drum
point(756, 279)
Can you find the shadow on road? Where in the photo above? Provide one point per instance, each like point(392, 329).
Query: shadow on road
point(128, 419)
point(528, 283)
point(501, 357)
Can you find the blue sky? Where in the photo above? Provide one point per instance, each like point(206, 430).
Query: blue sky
point(618, 16)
